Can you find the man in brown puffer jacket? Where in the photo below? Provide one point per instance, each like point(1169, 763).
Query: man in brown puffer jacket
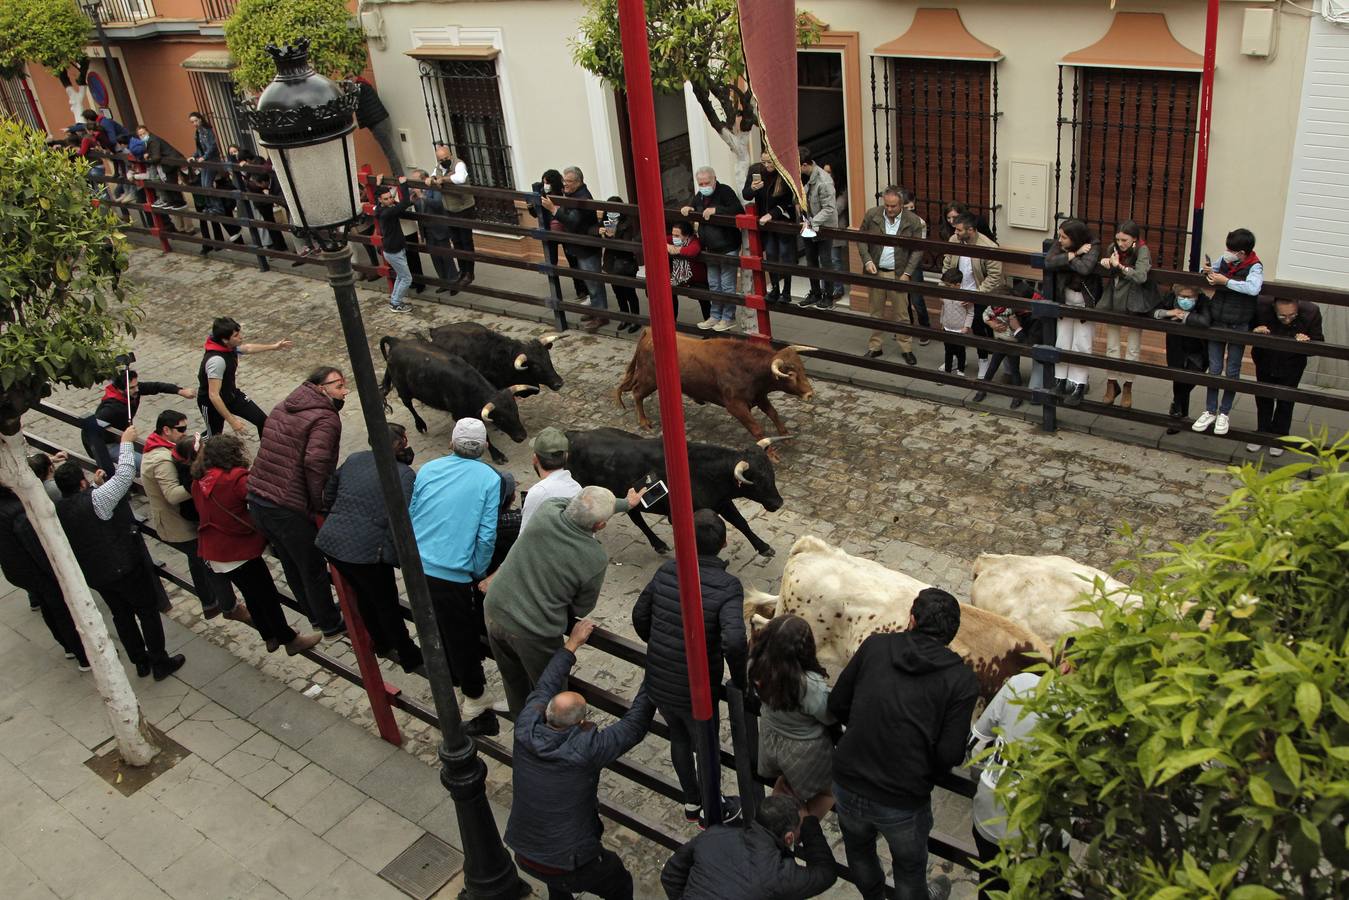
point(285, 488)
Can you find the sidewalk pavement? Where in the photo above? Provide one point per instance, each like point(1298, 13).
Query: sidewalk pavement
point(279, 796)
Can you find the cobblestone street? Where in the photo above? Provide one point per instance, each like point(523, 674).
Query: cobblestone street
point(919, 487)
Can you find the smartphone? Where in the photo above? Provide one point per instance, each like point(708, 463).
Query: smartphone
point(611, 220)
point(654, 494)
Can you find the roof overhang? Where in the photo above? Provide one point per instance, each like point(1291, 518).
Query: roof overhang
point(1137, 41)
point(939, 34)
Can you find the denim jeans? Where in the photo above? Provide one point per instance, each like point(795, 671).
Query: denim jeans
point(1233, 352)
point(721, 280)
point(599, 298)
point(398, 261)
point(904, 830)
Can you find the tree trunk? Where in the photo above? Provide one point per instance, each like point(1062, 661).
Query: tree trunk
point(124, 711)
point(739, 142)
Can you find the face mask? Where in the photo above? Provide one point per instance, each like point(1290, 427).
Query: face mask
point(1232, 257)
point(338, 404)
point(705, 190)
point(679, 242)
point(405, 455)
point(1185, 303)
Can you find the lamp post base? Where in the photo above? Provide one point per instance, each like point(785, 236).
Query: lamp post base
point(489, 873)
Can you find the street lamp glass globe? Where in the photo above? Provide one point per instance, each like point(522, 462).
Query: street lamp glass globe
point(306, 122)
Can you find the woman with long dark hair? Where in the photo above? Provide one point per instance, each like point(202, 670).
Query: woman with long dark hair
point(773, 199)
point(1126, 290)
point(794, 744)
point(1072, 263)
point(230, 544)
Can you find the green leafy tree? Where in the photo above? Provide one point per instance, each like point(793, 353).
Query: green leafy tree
point(336, 45)
point(694, 41)
point(52, 33)
point(1200, 748)
point(63, 320)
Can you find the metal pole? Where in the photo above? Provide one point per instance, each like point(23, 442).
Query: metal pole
point(1205, 118)
point(646, 162)
point(488, 870)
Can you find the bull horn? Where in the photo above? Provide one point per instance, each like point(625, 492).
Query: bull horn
point(758, 620)
point(740, 469)
point(487, 411)
point(521, 362)
point(777, 368)
point(523, 390)
point(547, 339)
point(801, 348)
point(767, 442)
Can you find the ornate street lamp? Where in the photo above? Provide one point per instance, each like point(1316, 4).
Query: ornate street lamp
point(305, 122)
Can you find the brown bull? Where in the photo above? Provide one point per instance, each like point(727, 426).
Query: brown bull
point(734, 374)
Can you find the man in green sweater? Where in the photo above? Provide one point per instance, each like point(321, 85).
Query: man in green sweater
point(552, 574)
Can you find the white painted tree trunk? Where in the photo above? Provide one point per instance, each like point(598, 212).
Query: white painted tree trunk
point(124, 711)
point(739, 142)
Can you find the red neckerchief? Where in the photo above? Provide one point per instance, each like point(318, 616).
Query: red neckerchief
point(213, 344)
point(113, 392)
point(157, 440)
point(1238, 271)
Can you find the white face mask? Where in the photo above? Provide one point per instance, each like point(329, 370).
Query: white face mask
point(679, 241)
point(1232, 256)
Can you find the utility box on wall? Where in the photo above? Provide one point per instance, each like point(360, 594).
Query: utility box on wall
point(1257, 32)
point(1028, 200)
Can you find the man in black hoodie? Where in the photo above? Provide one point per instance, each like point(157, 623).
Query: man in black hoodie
point(116, 408)
point(915, 699)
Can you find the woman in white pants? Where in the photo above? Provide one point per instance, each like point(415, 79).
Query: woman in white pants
point(1072, 262)
point(1126, 290)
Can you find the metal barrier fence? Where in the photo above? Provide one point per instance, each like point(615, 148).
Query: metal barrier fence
point(155, 223)
point(740, 758)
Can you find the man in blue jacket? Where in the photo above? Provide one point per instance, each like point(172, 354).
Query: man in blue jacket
point(454, 518)
point(554, 826)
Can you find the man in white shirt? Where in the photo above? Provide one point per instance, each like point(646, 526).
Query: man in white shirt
point(892, 262)
point(550, 464)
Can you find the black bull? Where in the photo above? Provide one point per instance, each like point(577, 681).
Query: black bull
point(618, 460)
point(502, 360)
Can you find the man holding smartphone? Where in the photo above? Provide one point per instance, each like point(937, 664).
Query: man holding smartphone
point(553, 574)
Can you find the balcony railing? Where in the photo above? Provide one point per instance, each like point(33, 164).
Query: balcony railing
point(118, 12)
point(218, 10)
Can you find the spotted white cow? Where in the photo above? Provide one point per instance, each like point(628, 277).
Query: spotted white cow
point(846, 599)
point(1042, 592)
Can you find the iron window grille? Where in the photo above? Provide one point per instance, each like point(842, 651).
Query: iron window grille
point(14, 103)
point(463, 109)
point(215, 94)
point(1130, 138)
point(935, 122)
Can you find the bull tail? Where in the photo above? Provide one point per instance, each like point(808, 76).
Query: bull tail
point(757, 603)
point(384, 347)
point(387, 384)
point(809, 543)
point(629, 381)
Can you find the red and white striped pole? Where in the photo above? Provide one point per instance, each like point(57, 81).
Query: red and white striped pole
point(650, 207)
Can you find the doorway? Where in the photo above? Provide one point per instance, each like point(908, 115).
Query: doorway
point(821, 122)
point(672, 144)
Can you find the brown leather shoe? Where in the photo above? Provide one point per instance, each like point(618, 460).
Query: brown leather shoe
point(303, 642)
point(1111, 392)
point(1127, 398)
point(241, 614)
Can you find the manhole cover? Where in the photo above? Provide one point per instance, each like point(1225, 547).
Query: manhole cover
point(423, 868)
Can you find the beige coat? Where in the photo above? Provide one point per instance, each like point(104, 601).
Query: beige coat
point(910, 226)
point(160, 478)
point(988, 272)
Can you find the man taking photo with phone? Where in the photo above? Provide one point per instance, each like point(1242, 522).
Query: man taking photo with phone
point(553, 574)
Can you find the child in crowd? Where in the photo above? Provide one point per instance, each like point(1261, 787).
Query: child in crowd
point(1238, 278)
point(957, 317)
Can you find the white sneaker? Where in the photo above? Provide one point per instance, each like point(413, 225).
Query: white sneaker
point(983, 368)
point(1276, 451)
point(1221, 425)
point(585, 302)
point(960, 372)
point(707, 324)
point(1252, 448)
point(723, 325)
point(941, 368)
point(472, 707)
point(1204, 421)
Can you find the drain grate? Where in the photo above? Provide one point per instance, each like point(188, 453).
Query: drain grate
point(423, 868)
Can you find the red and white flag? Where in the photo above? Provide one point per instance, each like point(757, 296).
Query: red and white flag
point(768, 36)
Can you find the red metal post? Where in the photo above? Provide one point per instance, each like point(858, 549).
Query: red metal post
point(754, 262)
point(646, 160)
point(376, 688)
point(32, 101)
point(1205, 120)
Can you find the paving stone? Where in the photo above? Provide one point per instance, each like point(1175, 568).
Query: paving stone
point(242, 689)
point(293, 859)
point(347, 755)
point(352, 881)
point(330, 806)
point(293, 718)
point(404, 784)
point(373, 835)
point(152, 838)
point(207, 872)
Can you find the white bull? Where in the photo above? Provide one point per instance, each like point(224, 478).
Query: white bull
point(1041, 592)
point(846, 599)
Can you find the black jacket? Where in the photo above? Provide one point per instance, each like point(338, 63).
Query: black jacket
point(431, 203)
point(622, 262)
point(781, 206)
point(1182, 350)
point(914, 698)
point(357, 527)
point(724, 202)
point(579, 221)
point(107, 550)
point(556, 774)
point(1281, 365)
point(157, 150)
point(370, 109)
point(733, 863)
point(658, 621)
point(22, 559)
point(390, 222)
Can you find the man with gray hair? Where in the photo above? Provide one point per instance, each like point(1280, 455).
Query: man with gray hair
point(454, 517)
point(552, 574)
point(428, 201)
point(711, 198)
point(554, 826)
point(583, 222)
